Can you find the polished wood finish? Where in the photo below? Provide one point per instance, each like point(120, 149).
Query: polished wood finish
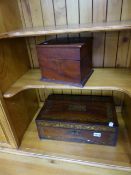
point(21, 109)
point(7, 130)
point(105, 156)
point(10, 18)
point(113, 50)
point(104, 79)
point(61, 12)
point(95, 27)
point(14, 61)
point(66, 61)
point(78, 118)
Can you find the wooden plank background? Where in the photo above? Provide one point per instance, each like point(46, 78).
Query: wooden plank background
point(110, 49)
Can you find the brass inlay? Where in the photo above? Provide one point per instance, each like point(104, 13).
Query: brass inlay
point(76, 126)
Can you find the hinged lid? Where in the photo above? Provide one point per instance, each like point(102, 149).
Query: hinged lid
point(69, 42)
point(79, 109)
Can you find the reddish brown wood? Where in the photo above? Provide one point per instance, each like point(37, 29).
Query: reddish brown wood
point(66, 61)
point(78, 118)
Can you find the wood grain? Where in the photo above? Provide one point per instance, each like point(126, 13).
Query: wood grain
point(36, 12)
point(124, 37)
point(7, 127)
point(126, 10)
point(14, 61)
point(9, 10)
point(104, 79)
point(25, 163)
point(99, 15)
point(95, 27)
point(88, 153)
point(60, 12)
point(85, 11)
point(48, 12)
point(123, 48)
point(26, 13)
point(22, 108)
point(127, 113)
point(111, 40)
point(72, 8)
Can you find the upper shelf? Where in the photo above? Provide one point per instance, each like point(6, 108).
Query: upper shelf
point(102, 78)
point(91, 27)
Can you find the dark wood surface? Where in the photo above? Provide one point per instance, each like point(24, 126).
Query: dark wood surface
point(81, 136)
point(78, 118)
point(68, 61)
point(62, 70)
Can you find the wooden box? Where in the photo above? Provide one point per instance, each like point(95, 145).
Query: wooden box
point(89, 119)
point(67, 61)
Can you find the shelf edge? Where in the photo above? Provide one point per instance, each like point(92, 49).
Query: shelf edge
point(90, 27)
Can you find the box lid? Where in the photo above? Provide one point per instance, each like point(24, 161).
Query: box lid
point(79, 109)
point(63, 42)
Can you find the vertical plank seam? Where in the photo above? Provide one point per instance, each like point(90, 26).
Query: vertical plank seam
point(42, 13)
point(127, 53)
point(10, 128)
point(66, 17)
point(4, 132)
point(118, 37)
point(79, 15)
point(106, 9)
point(21, 13)
point(105, 35)
point(30, 13)
point(29, 49)
point(92, 11)
point(54, 14)
point(27, 40)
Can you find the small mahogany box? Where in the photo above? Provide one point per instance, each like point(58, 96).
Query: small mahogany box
point(78, 118)
point(66, 61)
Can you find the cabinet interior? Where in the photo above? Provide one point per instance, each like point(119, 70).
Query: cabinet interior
point(111, 49)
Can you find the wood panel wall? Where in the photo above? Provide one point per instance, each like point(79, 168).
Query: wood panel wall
point(15, 114)
point(110, 49)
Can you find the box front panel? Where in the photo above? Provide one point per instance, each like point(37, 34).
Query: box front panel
point(60, 70)
point(76, 135)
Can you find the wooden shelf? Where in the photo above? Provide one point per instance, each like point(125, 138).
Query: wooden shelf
point(95, 155)
point(91, 27)
point(102, 78)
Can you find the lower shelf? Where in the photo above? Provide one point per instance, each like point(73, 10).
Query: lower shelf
point(117, 157)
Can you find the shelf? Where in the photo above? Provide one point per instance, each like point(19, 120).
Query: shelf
point(102, 78)
point(87, 154)
point(91, 27)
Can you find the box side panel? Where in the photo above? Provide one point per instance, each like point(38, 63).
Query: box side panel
point(86, 59)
